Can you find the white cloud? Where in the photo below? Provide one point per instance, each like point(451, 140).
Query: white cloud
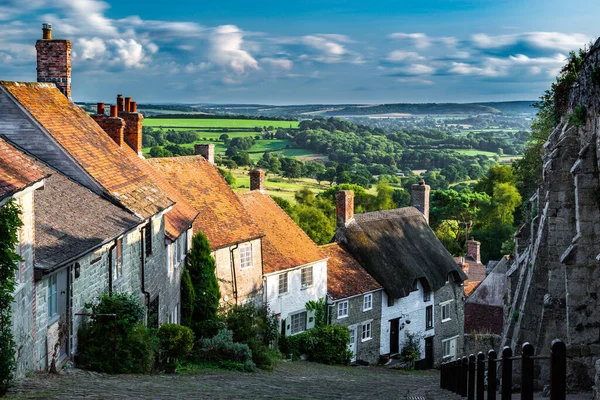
point(87, 49)
point(423, 41)
point(129, 53)
point(487, 70)
point(401, 56)
point(226, 49)
point(329, 49)
point(419, 69)
point(280, 63)
point(556, 41)
point(415, 80)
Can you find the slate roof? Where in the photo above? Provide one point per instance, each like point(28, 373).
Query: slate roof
point(397, 247)
point(492, 290)
point(70, 220)
point(17, 170)
point(345, 276)
point(117, 169)
point(222, 218)
point(285, 245)
point(475, 271)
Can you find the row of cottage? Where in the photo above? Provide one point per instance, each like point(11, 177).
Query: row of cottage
point(98, 217)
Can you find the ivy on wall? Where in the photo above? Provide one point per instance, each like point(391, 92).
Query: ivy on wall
point(10, 222)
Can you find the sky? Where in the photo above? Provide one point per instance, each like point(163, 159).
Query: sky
point(297, 52)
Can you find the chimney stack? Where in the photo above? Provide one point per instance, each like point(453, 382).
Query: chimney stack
point(419, 197)
point(207, 151)
point(133, 123)
point(54, 61)
point(120, 103)
point(344, 206)
point(113, 125)
point(100, 109)
point(474, 250)
point(257, 179)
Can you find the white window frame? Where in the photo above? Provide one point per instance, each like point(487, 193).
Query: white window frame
point(446, 347)
point(368, 302)
point(305, 273)
point(245, 256)
point(117, 260)
point(298, 328)
point(342, 309)
point(52, 296)
point(367, 332)
point(445, 309)
point(283, 284)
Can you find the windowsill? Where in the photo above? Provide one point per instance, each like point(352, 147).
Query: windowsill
point(306, 287)
point(429, 328)
point(447, 319)
point(367, 309)
point(366, 340)
point(283, 294)
point(118, 280)
point(53, 320)
point(342, 317)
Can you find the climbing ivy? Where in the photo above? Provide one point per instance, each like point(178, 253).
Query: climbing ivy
point(10, 222)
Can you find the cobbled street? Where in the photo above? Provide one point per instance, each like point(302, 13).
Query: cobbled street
point(299, 380)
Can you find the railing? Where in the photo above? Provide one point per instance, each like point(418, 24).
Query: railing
point(466, 376)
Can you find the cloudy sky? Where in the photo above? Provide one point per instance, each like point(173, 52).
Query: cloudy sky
point(309, 51)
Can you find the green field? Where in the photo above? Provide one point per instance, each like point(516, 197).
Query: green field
point(192, 123)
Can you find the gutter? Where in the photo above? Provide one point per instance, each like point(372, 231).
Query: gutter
point(110, 261)
point(232, 262)
point(143, 229)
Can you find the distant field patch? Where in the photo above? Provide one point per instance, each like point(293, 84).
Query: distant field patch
point(192, 123)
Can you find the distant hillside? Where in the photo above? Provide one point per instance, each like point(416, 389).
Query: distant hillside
point(415, 109)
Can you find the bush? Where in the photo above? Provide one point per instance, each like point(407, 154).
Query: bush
point(136, 344)
point(579, 115)
point(327, 344)
point(174, 342)
point(221, 348)
point(411, 351)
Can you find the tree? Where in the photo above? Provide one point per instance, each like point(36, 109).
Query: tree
point(275, 165)
point(224, 137)
point(401, 197)
point(495, 175)
point(201, 266)
point(385, 196)
point(284, 204)
point(305, 196)
point(316, 225)
point(227, 175)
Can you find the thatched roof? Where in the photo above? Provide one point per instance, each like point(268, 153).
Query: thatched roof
point(398, 247)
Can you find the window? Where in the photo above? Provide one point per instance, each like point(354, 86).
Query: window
point(148, 238)
point(307, 277)
point(117, 260)
point(427, 296)
point(446, 311)
point(298, 322)
point(52, 297)
point(283, 283)
point(429, 317)
point(342, 309)
point(174, 315)
point(449, 348)
point(176, 253)
point(367, 330)
point(415, 286)
point(390, 301)
point(245, 256)
point(368, 302)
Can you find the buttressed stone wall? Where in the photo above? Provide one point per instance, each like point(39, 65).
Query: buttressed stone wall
point(556, 276)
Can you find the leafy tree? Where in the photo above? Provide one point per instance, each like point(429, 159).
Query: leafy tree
point(227, 175)
point(291, 168)
point(284, 204)
point(305, 196)
point(316, 224)
point(188, 299)
point(224, 137)
point(495, 175)
point(275, 165)
point(385, 195)
point(242, 158)
point(401, 197)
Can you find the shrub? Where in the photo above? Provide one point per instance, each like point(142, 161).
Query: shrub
point(411, 351)
point(327, 344)
point(188, 299)
point(221, 348)
point(579, 115)
point(136, 344)
point(174, 342)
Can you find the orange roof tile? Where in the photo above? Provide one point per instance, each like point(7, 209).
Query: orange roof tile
point(345, 276)
point(17, 170)
point(222, 218)
point(285, 244)
point(470, 287)
point(118, 169)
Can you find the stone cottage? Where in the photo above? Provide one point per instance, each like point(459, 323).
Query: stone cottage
point(354, 302)
point(422, 295)
point(294, 269)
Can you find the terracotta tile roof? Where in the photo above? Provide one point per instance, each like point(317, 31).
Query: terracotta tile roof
point(117, 169)
point(475, 271)
point(71, 220)
point(345, 276)
point(285, 244)
point(470, 287)
point(17, 170)
point(222, 218)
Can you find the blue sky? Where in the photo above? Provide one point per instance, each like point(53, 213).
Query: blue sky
point(311, 51)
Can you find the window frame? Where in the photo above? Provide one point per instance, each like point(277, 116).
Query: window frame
point(245, 256)
point(304, 274)
point(367, 332)
point(429, 317)
point(426, 296)
point(369, 306)
point(301, 325)
point(117, 260)
point(342, 306)
point(445, 309)
point(283, 278)
point(148, 239)
point(52, 296)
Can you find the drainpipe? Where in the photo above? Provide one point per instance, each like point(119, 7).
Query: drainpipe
point(235, 294)
point(110, 262)
point(143, 261)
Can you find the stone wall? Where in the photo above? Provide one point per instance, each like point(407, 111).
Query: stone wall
point(453, 292)
point(483, 318)
point(475, 343)
point(556, 279)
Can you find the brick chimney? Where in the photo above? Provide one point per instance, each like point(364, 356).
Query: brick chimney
point(133, 123)
point(344, 206)
point(257, 179)
point(419, 197)
point(474, 250)
point(112, 125)
point(54, 61)
point(207, 151)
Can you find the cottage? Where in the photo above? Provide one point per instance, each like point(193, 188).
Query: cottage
point(294, 269)
point(354, 302)
point(422, 296)
point(472, 266)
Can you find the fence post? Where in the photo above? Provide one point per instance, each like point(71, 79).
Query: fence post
point(442, 376)
point(464, 377)
point(457, 376)
point(506, 373)
point(480, 376)
point(558, 370)
point(492, 365)
point(527, 372)
point(471, 393)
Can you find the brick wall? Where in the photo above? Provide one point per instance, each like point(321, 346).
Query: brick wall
point(54, 63)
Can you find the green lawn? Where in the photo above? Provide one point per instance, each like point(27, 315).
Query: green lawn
point(216, 123)
point(473, 152)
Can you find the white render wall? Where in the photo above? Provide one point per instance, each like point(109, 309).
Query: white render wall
point(296, 298)
point(411, 307)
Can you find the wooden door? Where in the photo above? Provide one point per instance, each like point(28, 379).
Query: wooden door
point(429, 352)
point(395, 335)
point(352, 344)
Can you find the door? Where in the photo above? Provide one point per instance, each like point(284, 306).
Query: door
point(394, 336)
point(429, 352)
point(352, 344)
point(62, 294)
point(453, 349)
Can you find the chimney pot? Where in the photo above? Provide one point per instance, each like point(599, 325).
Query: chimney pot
point(419, 197)
point(344, 206)
point(207, 151)
point(474, 250)
point(47, 31)
point(120, 103)
point(127, 104)
point(113, 111)
point(257, 179)
point(133, 107)
point(54, 61)
point(100, 109)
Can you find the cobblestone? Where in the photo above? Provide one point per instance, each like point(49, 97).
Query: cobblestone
point(299, 380)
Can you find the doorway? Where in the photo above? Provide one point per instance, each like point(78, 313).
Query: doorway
point(429, 352)
point(395, 336)
point(352, 344)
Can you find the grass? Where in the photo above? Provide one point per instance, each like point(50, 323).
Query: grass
point(216, 123)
